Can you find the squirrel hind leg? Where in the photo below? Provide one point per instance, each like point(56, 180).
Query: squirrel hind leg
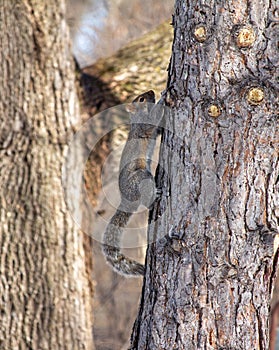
point(122, 264)
point(130, 268)
point(148, 192)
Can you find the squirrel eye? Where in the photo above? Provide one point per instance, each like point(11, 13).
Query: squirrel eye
point(141, 99)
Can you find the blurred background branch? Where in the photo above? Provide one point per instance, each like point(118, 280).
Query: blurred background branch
point(100, 27)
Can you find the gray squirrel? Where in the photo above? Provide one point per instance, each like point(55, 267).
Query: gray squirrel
point(136, 183)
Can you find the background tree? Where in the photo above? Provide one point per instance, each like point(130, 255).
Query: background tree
point(211, 267)
point(44, 288)
point(100, 27)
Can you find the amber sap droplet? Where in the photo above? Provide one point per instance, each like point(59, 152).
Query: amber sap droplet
point(245, 37)
point(214, 111)
point(255, 95)
point(200, 33)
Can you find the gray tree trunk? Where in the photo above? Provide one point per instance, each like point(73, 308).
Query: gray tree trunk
point(44, 289)
point(210, 276)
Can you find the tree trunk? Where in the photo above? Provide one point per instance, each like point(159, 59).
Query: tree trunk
point(209, 279)
point(44, 289)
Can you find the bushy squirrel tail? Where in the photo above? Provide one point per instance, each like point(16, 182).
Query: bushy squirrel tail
point(111, 249)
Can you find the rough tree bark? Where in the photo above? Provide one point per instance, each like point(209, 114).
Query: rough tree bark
point(209, 278)
point(44, 289)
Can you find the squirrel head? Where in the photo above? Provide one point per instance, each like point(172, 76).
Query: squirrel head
point(148, 97)
point(142, 103)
